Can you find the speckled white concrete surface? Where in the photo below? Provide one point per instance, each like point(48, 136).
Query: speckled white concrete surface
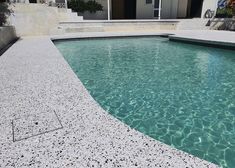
point(40, 92)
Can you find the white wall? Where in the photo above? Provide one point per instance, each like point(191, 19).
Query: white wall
point(174, 9)
point(143, 10)
point(182, 8)
point(169, 9)
point(209, 4)
point(34, 19)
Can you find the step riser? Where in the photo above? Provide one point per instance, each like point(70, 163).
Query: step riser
point(116, 27)
point(75, 30)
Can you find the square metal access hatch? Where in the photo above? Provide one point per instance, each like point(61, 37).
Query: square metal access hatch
point(35, 124)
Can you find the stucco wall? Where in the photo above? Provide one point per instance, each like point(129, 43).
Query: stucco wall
point(7, 35)
point(143, 10)
point(209, 4)
point(34, 19)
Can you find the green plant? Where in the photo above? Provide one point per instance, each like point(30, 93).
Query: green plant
point(224, 13)
point(93, 6)
point(81, 6)
point(77, 5)
point(4, 12)
point(233, 8)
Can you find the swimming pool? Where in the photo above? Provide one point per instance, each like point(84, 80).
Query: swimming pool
point(180, 94)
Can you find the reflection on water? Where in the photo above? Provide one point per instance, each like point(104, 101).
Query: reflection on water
point(182, 95)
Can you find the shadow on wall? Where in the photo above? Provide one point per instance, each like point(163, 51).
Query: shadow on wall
point(8, 38)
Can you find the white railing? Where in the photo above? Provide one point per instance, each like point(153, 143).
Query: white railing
point(61, 5)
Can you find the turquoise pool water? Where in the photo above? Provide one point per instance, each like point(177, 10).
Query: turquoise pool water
point(180, 94)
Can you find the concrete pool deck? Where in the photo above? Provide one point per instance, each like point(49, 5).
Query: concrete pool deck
point(48, 118)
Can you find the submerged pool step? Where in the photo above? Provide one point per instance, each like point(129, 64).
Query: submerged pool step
point(117, 26)
point(83, 29)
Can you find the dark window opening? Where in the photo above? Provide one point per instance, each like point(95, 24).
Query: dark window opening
point(156, 3)
point(149, 1)
point(32, 1)
point(123, 9)
point(194, 8)
point(130, 9)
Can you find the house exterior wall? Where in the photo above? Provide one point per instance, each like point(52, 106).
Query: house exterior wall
point(171, 9)
point(99, 15)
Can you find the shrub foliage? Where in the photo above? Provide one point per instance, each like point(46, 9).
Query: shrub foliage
point(4, 12)
point(81, 6)
point(228, 11)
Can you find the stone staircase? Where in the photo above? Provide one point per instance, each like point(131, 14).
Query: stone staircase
point(66, 15)
point(40, 19)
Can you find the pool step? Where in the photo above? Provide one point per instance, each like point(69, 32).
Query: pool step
point(66, 15)
point(83, 29)
point(117, 26)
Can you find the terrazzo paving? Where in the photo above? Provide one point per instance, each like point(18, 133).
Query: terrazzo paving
point(56, 123)
point(35, 124)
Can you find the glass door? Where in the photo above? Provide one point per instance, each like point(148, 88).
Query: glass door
point(157, 9)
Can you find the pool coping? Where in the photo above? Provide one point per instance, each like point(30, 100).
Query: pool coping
point(202, 42)
point(125, 142)
point(171, 35)
point(107, 35)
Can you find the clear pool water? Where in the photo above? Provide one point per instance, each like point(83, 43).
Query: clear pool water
point(180, 94)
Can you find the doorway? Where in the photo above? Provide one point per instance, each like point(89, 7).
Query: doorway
point(32, 1)
point(123, 9)
point(194, 8)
